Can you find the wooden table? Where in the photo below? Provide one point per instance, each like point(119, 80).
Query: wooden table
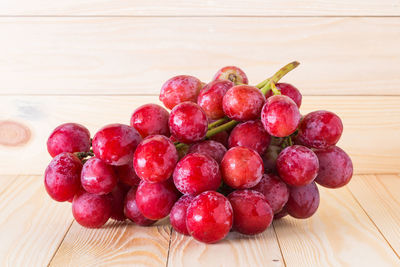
point(93, 62)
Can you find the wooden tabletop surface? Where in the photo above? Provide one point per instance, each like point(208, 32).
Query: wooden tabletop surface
point(94, 62)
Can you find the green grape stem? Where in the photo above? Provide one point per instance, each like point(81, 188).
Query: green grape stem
point(274, 89)
point(217, 123)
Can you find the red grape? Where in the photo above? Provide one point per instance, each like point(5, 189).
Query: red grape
point(251, 212)
point(335, 167)
point(150, 119)
point(269, 158)
point(62, 176)
point(188, 122)
point(196, 173)
point(280, 116)
point(131, 210)
point(125, 186)
point(288, 90)
point(320, 129)
point(303, 201)
point(210, 98)
point(115, 143)
point(177, 216)
point(243, 103)
point(68, 137)
point(241, 168)
point(221, 137)
point(231, 73)
point(180, 89)
point(210, 148)
point(281, 214)
point(209, 217)
point(275, 191)
point(155, 159)
point(127, 175)
point(117, 196)
point(91, 210)
point(297, 165)
point(155, 200)
point(97, 177)
point(250, 134)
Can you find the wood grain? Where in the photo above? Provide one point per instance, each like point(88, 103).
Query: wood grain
point(339, 56)
point(371, 125)
point(379, 197)
point(116, 244)
point(13, 134)
point(200, 8)
point(235, 250)
point(339, 234)
point(31, 224)
point(5, 181)
point(95, 61)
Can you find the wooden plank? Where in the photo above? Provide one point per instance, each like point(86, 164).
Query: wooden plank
point(379, 197)
point(235, 250)
point(367, 122)
point(201, 8)
point(5, 181)
point(339, 56)
point(339, 234)
point(117, 243)
point(31, 224)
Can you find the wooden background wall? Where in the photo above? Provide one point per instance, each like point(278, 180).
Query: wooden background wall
point(95, 61)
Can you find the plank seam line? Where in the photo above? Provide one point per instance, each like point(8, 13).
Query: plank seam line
point(199, 16)
point(59, 245)
point(384, 237)
point(279, 244)
point(169, 246)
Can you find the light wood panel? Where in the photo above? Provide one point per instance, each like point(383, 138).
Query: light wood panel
point(371, 126)
point(32, 227)
point(31, 224)
point(200, 8)
point(5, 181)
point(339, 56)
point(339, 234)
point(379, 197)
point(116, 244)
point(234, 250)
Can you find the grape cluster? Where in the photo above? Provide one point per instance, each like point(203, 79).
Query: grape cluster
point(229, 156)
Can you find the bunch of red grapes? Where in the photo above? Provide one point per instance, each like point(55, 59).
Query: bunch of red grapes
point(229, 156)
